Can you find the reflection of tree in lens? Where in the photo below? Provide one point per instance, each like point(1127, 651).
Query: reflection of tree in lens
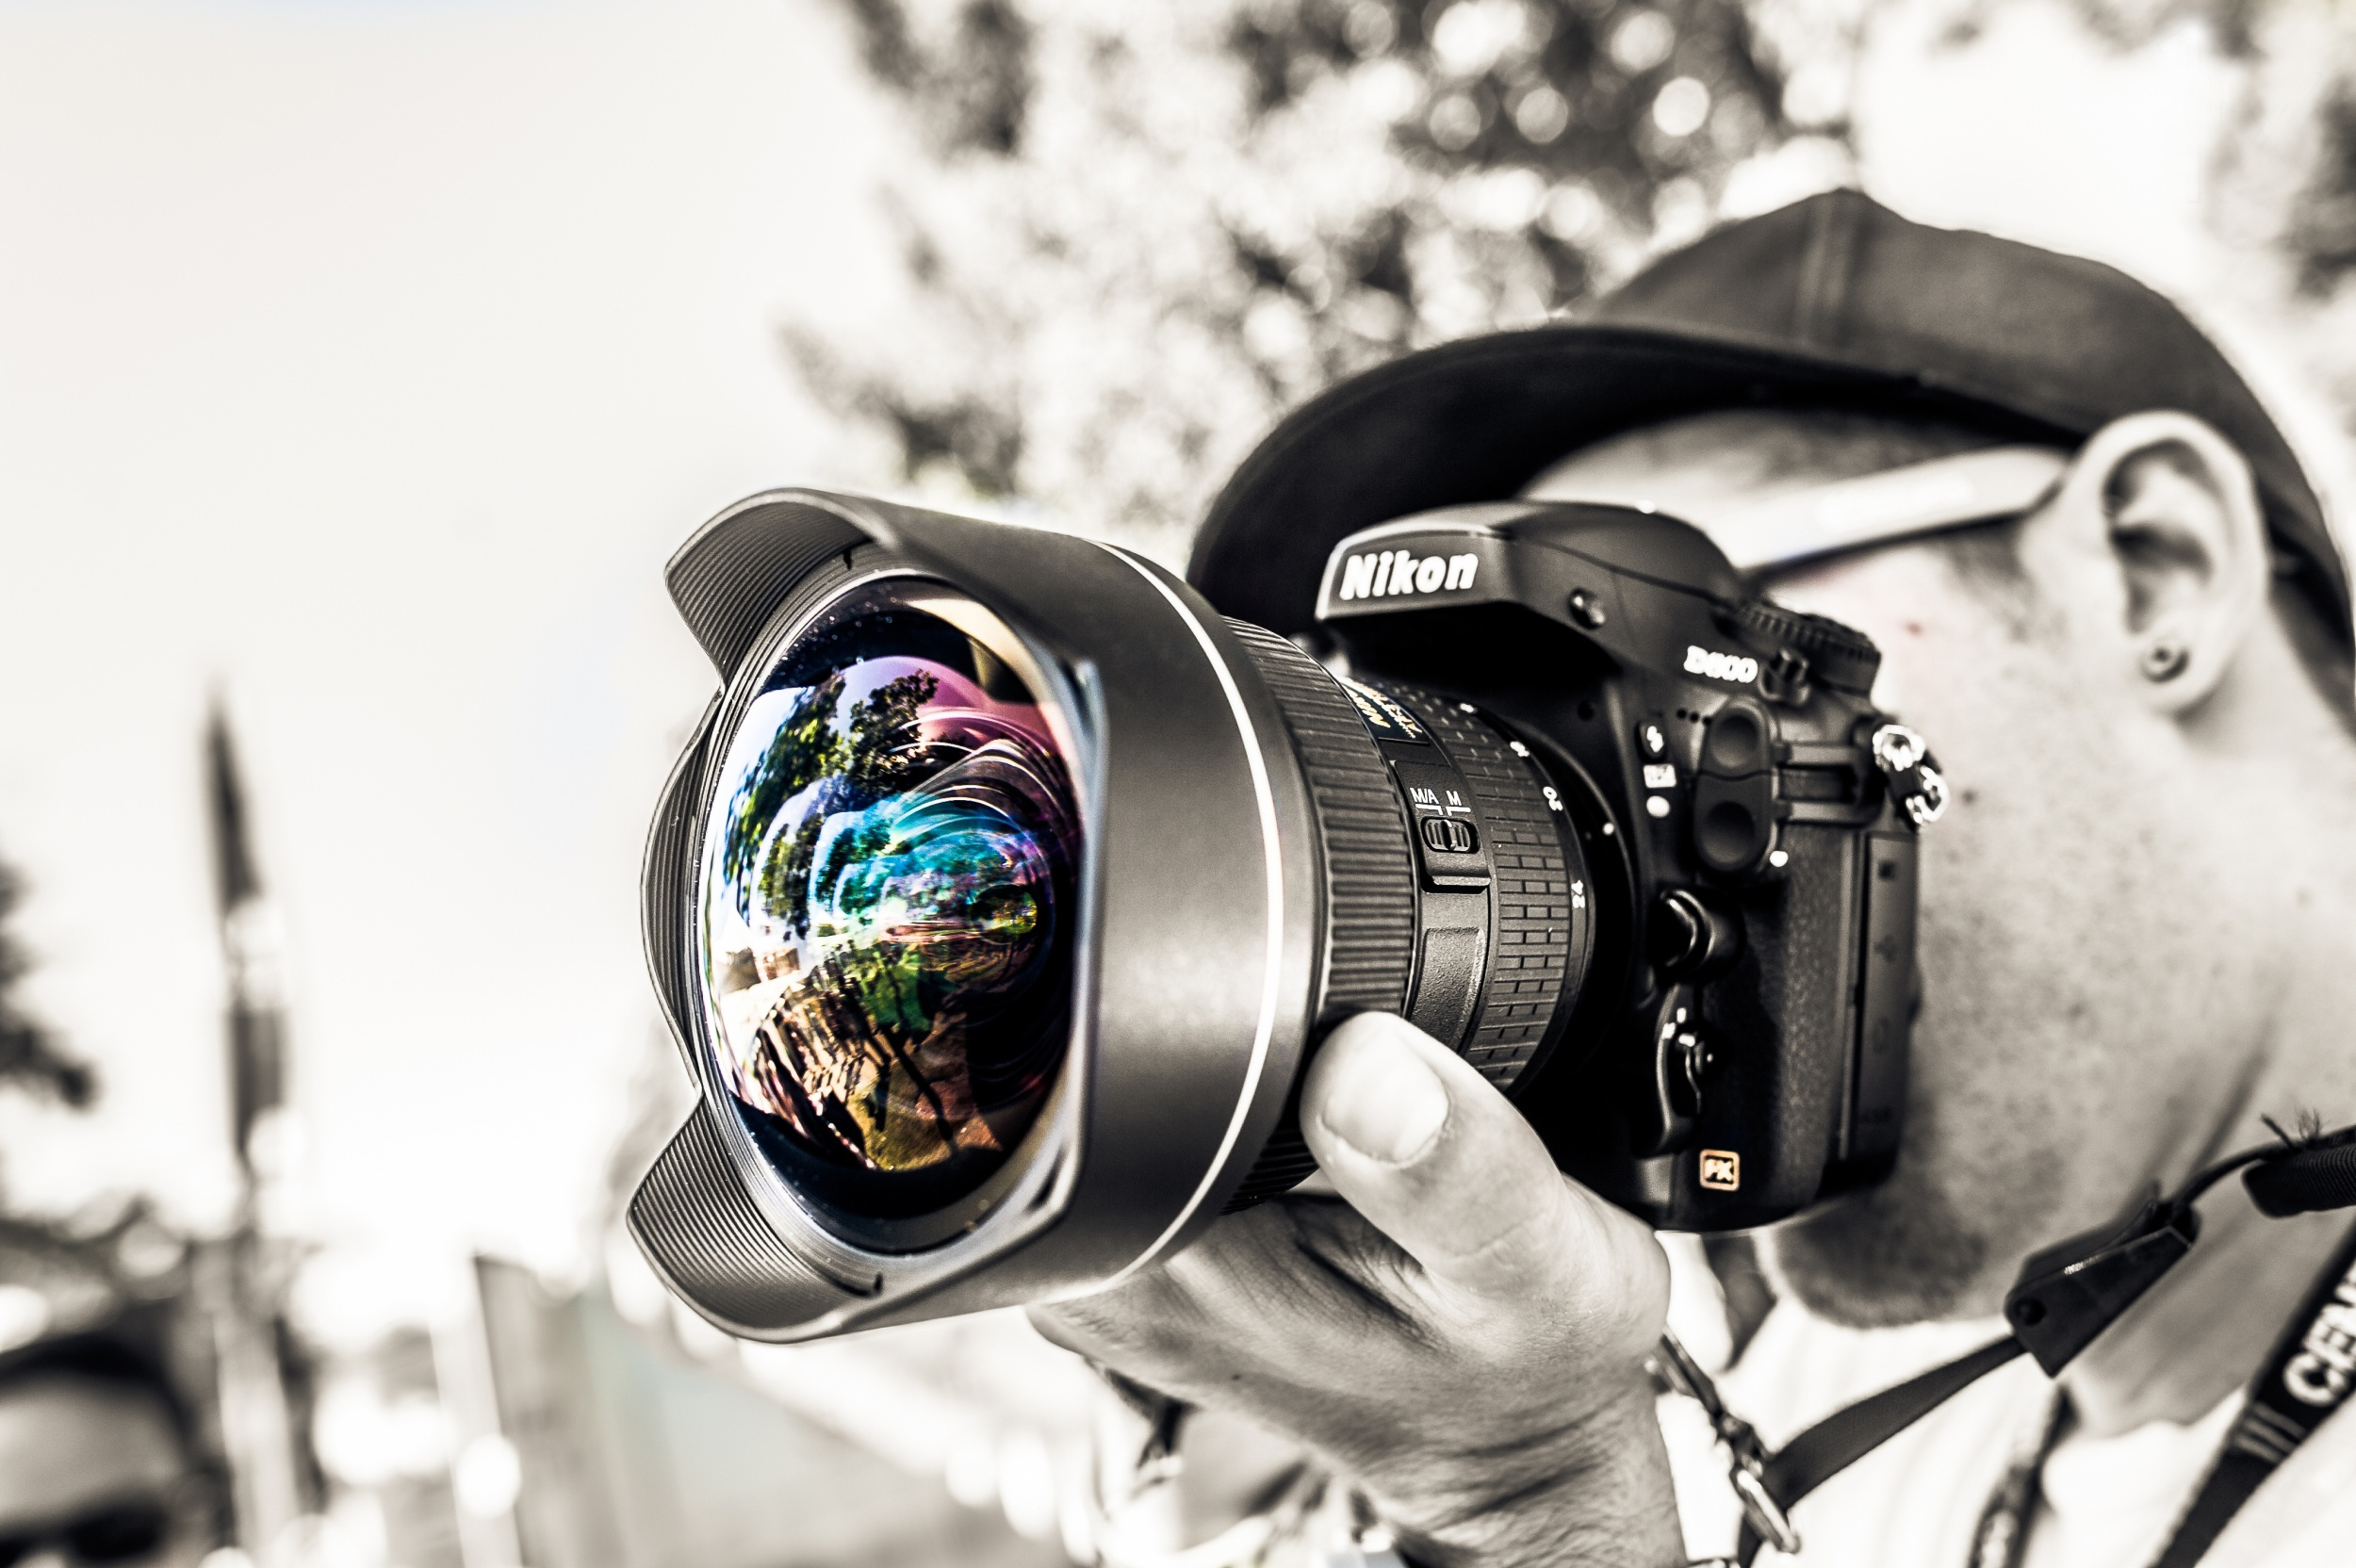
point(804, 748)
point(880, 750)
point(907, 856)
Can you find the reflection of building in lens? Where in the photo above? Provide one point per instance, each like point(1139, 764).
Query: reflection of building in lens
point(735, 971)
point(841, 1082)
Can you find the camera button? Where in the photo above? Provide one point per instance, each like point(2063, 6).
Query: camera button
point(1735, 743)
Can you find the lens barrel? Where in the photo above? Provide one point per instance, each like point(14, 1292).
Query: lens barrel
point(1446, 874)
point(1006, 889)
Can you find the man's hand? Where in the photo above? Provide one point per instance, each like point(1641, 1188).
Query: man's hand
point(1465, 1340)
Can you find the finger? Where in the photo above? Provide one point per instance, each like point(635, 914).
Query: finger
point(1245, 1290)
point(1429, 1150)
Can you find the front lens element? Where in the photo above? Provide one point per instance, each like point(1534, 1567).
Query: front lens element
point(888, 901)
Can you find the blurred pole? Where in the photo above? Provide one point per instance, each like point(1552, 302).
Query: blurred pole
point(247, 1274)
point(486, 1473)
point(257, 1428)
point(250, 951)
point(568, 1514)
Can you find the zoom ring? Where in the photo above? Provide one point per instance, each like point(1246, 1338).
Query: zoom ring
point(1538, 928)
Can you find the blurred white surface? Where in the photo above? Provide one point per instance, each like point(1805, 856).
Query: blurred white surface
point(364, 363)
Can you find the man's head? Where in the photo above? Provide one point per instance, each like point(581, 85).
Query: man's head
point(2139, 689)
point(95, 1462)
point(2143, 730)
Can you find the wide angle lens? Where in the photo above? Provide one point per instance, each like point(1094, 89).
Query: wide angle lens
point(886, 904)
point(1007, 889)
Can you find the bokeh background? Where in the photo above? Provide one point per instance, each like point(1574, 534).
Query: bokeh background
point(361, 361)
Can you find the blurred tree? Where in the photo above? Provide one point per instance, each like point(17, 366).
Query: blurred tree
point(2323, 228)
point(1133, 233)
point(28, 1059)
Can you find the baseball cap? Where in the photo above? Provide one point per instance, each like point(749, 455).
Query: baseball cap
point(1832, 301)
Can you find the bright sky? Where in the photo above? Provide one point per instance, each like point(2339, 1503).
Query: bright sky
point(365, 362)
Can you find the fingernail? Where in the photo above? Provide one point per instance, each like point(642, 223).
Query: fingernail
point(1388, 1106)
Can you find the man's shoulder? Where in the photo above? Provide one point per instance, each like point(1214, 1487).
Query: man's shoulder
point(1799, 1368)
point(2305, 1514)
point(1915, 1499)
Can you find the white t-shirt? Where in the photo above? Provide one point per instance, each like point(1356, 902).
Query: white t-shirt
point(1915, 1502)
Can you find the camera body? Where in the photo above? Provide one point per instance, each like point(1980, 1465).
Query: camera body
point(1746, 819)
point(1006, 887)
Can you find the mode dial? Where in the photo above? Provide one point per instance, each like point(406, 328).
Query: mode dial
point(1837, 655)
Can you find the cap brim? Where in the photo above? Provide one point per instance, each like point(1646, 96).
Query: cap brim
point(1478, 419)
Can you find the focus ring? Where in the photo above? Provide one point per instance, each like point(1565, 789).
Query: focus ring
point(1367, 878)
point(1365, 864)
point(1538, 935)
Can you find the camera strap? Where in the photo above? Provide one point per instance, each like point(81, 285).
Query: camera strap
point(2303, 1383)
point(2066, 1296)
point(1769, 1485)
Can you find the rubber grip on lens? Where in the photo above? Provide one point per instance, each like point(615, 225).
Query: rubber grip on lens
point(1366, 873)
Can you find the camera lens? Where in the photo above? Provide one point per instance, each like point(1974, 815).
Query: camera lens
point(887, 903)
point(1007, 891)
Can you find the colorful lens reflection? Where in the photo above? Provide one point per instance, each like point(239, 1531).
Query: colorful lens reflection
point(887, 897)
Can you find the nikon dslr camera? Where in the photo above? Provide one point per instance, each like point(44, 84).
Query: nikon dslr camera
point(1007, 888)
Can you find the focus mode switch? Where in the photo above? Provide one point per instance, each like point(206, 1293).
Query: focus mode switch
point(1451, 835)
point(1448, 840)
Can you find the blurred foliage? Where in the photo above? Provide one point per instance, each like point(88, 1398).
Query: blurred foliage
point(1608, 106)
point(972, 89)
point(2128, 25)
point(1134, 234)
point(28, 1059)
point(88, 1266)
point(2322, 236)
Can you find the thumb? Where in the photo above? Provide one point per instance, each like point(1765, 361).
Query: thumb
point(1433, 1154)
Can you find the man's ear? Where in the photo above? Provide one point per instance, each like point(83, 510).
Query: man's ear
point(2168, 505)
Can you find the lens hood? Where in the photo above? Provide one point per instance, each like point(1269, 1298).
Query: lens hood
point(1198, 961)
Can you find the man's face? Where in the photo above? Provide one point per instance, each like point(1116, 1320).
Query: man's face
point(73, 1451)
point(2088, 1009)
